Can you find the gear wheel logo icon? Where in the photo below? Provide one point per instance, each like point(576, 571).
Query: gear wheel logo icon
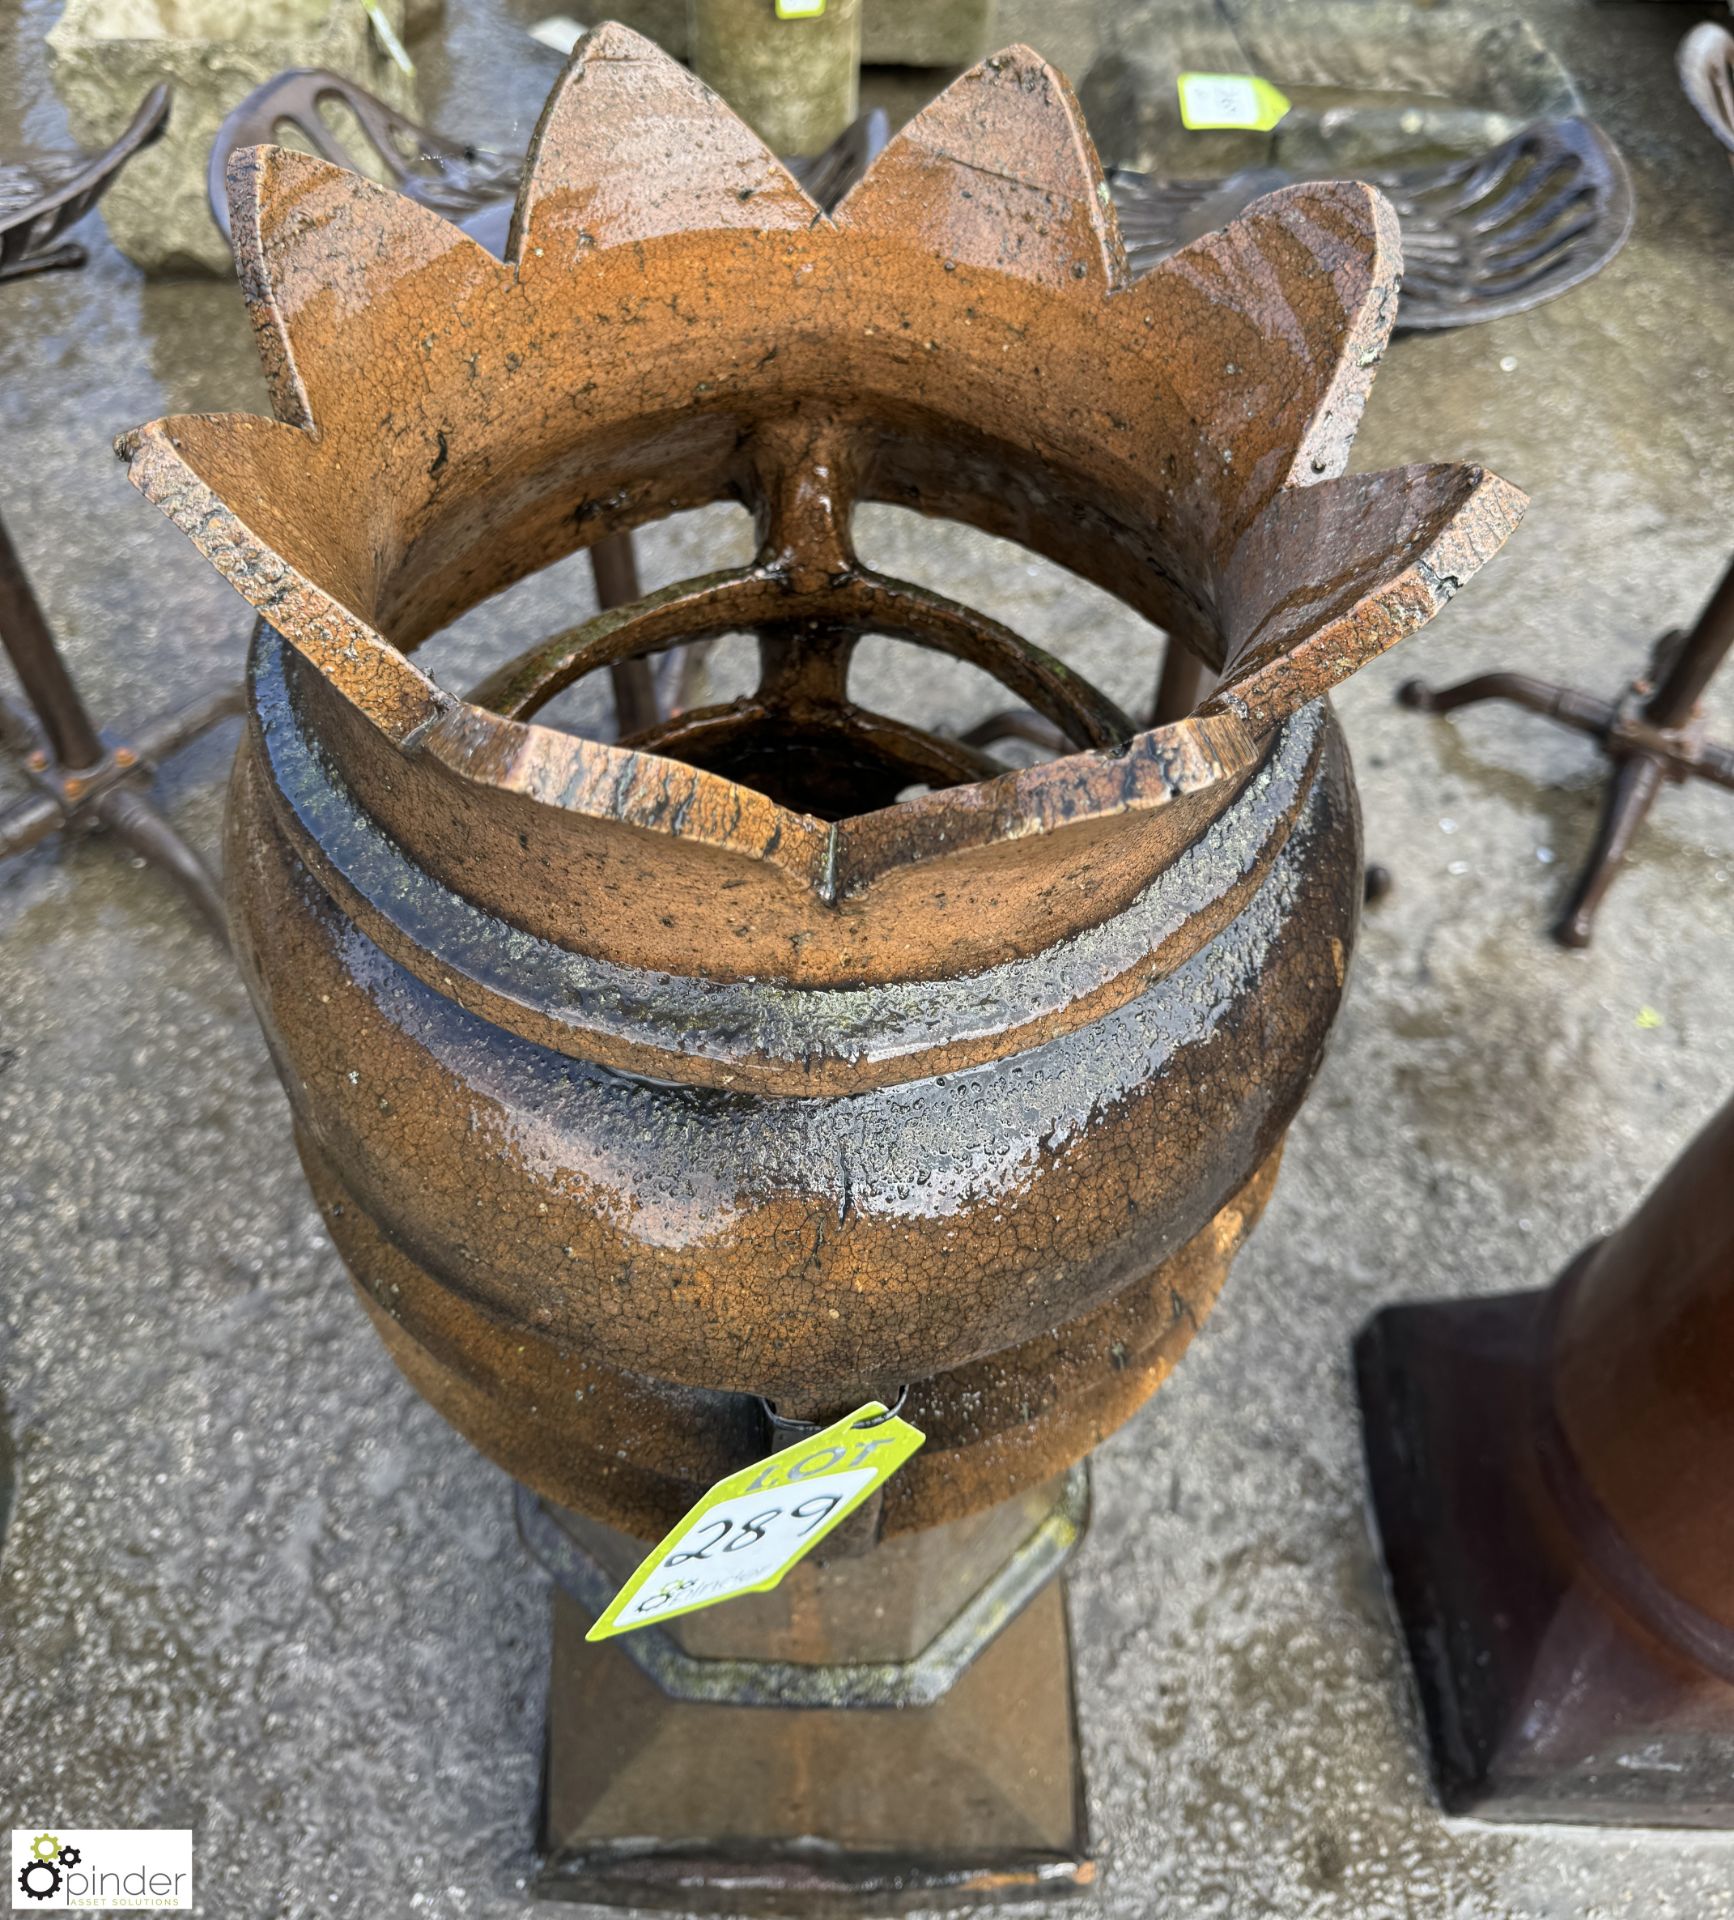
point(39, 1879)
point(69, 1857)
point(45, 1846)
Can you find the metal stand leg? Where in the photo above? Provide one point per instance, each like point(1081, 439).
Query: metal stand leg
point(615, 568)
point(135, 820)
point(1183, 686)
point(1580, 711)
point(1653, 734)
point(1635, 784)
point(83, 777)
point(1184, 682)
point(71, 254)
point(71, 736)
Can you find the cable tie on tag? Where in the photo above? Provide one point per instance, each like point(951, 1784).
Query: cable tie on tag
point(796, 1429)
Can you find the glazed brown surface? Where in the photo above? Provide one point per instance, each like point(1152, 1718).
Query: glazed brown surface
point(639, 1078)
point(1644, 1377)
point(1551, 1477)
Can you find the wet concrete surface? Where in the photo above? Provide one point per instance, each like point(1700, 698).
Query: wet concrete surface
point(252, 1585)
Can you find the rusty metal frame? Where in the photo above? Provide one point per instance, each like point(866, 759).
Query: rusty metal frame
point(1654, 734)
point(86, 777)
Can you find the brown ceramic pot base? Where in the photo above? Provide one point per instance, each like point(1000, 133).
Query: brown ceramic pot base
point(635, 1453)
point(1544, 1698)
point(650, 1801)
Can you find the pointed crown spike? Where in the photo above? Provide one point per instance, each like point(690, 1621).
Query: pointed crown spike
point(314, 242)
point(1000, 172)
point(631, 146)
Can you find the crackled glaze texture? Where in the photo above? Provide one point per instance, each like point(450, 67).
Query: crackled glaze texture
point(783, 1048)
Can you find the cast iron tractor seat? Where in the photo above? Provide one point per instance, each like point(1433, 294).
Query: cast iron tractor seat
point(40, 204)
point(1484, 236)
point(639, 1080)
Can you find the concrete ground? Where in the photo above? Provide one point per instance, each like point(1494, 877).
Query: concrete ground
point(252, 1585)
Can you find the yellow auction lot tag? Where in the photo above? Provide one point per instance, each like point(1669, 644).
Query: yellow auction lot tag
point(751, 1528)
point(1229, 100)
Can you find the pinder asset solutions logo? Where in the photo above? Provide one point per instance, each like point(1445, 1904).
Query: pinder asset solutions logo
point(101, 1869)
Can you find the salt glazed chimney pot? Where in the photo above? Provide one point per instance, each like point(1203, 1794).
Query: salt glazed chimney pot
point(785, 1049)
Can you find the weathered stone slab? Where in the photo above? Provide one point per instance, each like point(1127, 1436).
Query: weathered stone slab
point(107, 54)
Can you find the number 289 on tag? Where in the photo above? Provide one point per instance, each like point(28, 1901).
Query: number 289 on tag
point(751, 1528)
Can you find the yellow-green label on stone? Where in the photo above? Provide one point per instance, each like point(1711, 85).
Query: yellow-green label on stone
point(751, 1528)
point(1229, 100)
point(800, 9)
